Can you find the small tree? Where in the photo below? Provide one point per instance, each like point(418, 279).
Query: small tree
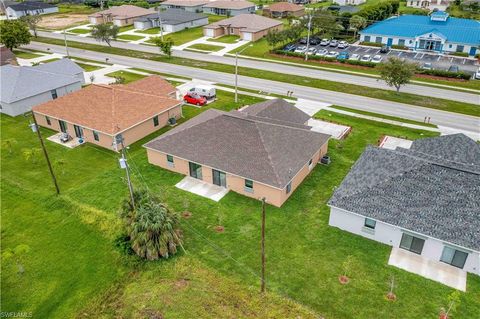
point(347, 267)
point(273, 37)
point(31, 154)
point(32, 22)
point(396, 72)
point(357, 23)
point(151, 226)
point(165, 46)
point(453, 302)
point(391, 295)
point(105, 33)
point(14, 33)
point(8, 145)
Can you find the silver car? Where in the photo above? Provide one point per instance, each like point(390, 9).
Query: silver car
point(321, 52)
point(342, 44)
point(354, 57)
point(311, 51)
point(377, 59)
point(325, 42)
point(300, 49)
point(366, 58)
point(332, 54)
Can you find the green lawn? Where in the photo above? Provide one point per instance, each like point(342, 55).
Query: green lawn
point(206, 47)
point(185, 36)
point(129, 37)
point(226, 39)
point(75, 8)
point(80, 31)
point(430, 102)
point(73, 269)
point(26, 55)
point(126, 28)
point(49, 60)
point(150, 31)
point(88, 67)
point(128, 76)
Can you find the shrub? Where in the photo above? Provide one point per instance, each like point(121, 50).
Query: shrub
point(464, 54)
point(445, 74)
point(372, 44)
point(399, 47)
point(362, 63)
point(477, 56)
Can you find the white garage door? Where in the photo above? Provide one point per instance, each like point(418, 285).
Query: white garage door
point(210, 33)
point(247, 36)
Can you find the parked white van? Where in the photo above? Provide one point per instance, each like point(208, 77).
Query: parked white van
point(206, 91)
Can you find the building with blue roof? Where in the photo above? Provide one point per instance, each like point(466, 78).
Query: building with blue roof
point(437, 32)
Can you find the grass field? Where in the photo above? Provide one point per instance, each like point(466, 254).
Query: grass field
point(430, 102)
point(150, 31)
point(206, 47)
point(80, 31)
point(128, 76)
point(26, 54)
point(74, 270)
point(88, 67)
point(126, 28)
point(129, 37)
point(225, 39)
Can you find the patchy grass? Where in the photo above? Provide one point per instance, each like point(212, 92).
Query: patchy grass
point(129, 37)
point(88, 67)
point(49, 60)
point(26, 54)
point(225, 39)
point(126, 28)
point(149, 31)
point(206, 47)
point(128, 76)
point(75, 8)
point(79, 31)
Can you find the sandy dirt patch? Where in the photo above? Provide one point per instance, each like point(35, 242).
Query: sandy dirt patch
point(60, 21)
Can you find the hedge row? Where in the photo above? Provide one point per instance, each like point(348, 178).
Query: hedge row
point(324, 58)
point(372, 44)
point(446, 74)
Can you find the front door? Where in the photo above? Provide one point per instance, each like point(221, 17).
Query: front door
point(389, 42)
point(473, 51)
point(412, 243)
point(78, 131)
point(195, 170)
point(219, 178)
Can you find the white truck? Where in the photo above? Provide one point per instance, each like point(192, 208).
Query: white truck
point(205, 91)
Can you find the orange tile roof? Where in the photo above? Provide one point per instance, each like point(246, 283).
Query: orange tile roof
point(112, 109)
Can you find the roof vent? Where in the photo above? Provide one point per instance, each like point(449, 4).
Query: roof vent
point(439, 16)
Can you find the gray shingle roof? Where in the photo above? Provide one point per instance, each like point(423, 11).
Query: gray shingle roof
point(278, 109)
point(416, 191)
point(268, 153)
point(62, 66)
point(25, 6)
point(173, 16)
point(24, 82)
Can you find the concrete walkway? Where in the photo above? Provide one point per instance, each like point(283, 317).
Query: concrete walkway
point(434, 270)
point(391, 143)
point(202, 188)
point(227, 47)
point(44, 57)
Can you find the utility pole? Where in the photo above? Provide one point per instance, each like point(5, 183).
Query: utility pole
point(236, 71)
point(36, 129)
point(262, 290)
point(65, 39)
point(124, 165)
point(5, 9)
point(160, 23)
point(308, 35)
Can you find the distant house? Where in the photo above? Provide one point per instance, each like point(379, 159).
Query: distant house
point(29, 86)
point(21, 9)
point(187, 5)
point(99, 113)
point(173, 20)
point(437, 33)
point(264, 150)
point(349, 2)
point(229, 8)
point(4, 4)
point(120, 16)
point(429, 4)
point(249, 27)
point(424, 200)
point(283, 10)
point(7, 56)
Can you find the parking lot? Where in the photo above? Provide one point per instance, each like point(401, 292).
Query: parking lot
point(438, 61)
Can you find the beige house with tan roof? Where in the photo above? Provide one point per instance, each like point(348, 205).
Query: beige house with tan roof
point(98, 113)
point(120, 16)
point(249, 27)
point(230, 8)
point(283, 10)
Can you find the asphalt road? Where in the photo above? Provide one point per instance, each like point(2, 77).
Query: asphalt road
point(452, 120)
point(289, 69)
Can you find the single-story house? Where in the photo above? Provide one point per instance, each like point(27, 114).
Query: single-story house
point(229, 8)
point(187, 5)
point(7, 56)
point(120, 16)
point(249, 27)
point(173, 20)
point(283, 10)
point(99, 113)
point(29, 86)
point(424, 200)
point(437, 32)
point(429, 4)
point(5, 4)
point(63, 66)
point(349, 2)
point(254, 155)
point(21, 9)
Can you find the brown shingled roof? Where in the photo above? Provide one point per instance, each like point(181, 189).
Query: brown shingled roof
point(112, 109)
point(124, 11)
point(238, 4)
point(284, 7)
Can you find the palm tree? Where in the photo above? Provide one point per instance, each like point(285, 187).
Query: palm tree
point(152, 227)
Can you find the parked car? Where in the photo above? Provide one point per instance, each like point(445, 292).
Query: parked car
point(453, 68)
point(332, 54)
point(205, 91)
point(325, 42)
point(427, 66)
point(385, 49)
point(477, 74)
point(377, 59)
point(303, 41)
point(289, 47)
point(311, 51)
point(366, 58)
point(314, 41)
point(333, 43)
point(300, 49)
point(342, 44)
point(194, 99)
point(344, 55)
point(354, 57)
point(321, 52)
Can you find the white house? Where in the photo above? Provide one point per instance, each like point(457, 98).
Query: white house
point(29, 86)
point(429, 4)
point(229, 8)
point(437, 33)
point(424, 200)
point(187, 5)
point(20, 9)
point(349, 2)
point(173, 20)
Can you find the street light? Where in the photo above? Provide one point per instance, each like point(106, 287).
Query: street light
point(236, 70)
point(160, 23)
point(65, 39)
point(36, 129)
point(308, 36)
